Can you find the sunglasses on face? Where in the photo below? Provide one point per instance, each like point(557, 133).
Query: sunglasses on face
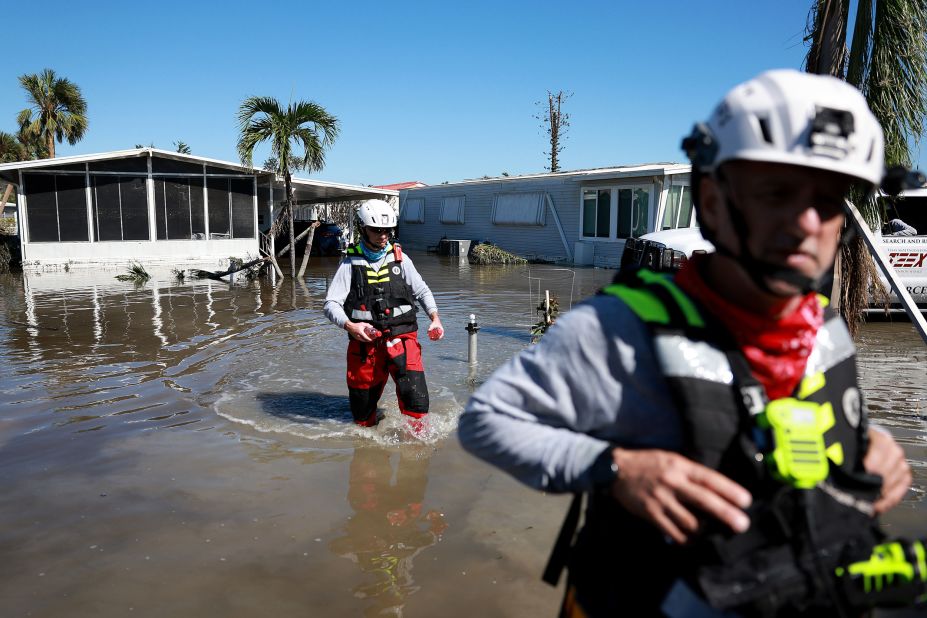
point(380, 230)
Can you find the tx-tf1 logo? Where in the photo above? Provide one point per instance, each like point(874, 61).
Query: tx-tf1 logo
point(904, 259)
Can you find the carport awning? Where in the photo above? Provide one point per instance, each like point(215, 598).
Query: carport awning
point(319, 191)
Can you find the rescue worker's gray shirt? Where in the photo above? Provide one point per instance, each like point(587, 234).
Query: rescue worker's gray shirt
point(341, 285)
point(592, 382)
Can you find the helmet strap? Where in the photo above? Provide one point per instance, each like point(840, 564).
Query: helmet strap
point(758, 270)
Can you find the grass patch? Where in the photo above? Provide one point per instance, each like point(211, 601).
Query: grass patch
point(487, 253)
point(136, 272)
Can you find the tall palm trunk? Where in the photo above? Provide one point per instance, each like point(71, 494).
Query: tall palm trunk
point(289, 210)
point(51, 145)
point(854, 271)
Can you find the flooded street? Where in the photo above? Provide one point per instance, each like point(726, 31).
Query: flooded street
point(186, 449)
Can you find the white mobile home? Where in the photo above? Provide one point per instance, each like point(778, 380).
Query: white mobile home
point(151, 206)
point(581, 217)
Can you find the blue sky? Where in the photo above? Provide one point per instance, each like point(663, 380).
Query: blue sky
point(424, 91)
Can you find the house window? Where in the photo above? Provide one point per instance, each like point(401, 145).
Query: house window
point(452, 209)
point(518, 208)
point(231, 207)
point(414, 210)
point(596, 212)
point(57, 207)
point(120, 207)
point(179, 208)
point(678, 210)
point(616, 213)
point(633, 212)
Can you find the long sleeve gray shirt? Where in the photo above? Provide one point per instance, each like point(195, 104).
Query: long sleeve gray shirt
point(592, 382)
point(341, 286)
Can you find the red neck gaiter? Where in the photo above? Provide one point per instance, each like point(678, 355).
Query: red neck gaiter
point(777, 349)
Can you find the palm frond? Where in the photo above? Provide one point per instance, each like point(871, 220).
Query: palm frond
point(303, 123)
point(136, 273)
point(897, 75)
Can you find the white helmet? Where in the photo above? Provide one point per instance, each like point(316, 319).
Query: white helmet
point(785, 116)
point(376, 213)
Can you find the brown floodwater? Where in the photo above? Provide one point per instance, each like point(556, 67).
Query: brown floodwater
point(185, 449)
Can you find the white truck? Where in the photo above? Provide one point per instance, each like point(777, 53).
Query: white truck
point(667, 250)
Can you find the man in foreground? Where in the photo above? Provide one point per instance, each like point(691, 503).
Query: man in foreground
point(372, 296)
point(715, 420)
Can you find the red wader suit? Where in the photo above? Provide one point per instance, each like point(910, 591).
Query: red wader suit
point(384, 299)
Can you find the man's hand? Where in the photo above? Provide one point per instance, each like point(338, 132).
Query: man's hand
point(886, 459)
point(358, 331)
point(436, 329)
point(661, 486)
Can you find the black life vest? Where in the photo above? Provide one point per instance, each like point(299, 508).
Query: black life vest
point(812, 507)
point(380, 297)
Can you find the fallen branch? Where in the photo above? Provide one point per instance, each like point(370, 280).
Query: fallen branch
point(286, 249)
point(302, 267)
point(205, 274)
point(273, 262)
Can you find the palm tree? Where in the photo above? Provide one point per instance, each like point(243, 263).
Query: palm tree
point(11, 149)
point(304, 125)
point(57, 109)
point(182, 147)
point(887, 61)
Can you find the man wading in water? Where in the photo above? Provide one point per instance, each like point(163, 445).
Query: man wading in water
point(372, 296)
point(714, 419)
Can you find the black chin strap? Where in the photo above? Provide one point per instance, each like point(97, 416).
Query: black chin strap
point(758, 270)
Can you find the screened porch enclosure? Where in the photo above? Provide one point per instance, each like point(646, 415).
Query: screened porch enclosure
point(109, 201)
point(152, 206)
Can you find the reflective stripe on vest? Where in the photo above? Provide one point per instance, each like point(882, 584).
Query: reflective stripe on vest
point(379, 293)
point(682, 357)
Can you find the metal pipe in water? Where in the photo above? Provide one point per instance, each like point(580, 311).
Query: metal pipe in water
point(472, 329)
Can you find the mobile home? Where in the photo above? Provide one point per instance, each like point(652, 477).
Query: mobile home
point(579, 217)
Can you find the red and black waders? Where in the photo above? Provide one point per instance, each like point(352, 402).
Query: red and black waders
point(369, 365)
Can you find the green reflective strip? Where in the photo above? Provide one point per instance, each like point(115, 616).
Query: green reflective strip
point(921, 560)
point(886, 562)
point(384, 280)
point(811, 384)
point(687, 306)
point(641, 302)
point(354, 250)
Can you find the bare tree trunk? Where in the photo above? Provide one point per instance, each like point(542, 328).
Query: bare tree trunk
point(289, 209)
point(554, 132)
point(302, 267)
point(51, 145)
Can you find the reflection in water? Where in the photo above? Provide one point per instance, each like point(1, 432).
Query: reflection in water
point(390, 525)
